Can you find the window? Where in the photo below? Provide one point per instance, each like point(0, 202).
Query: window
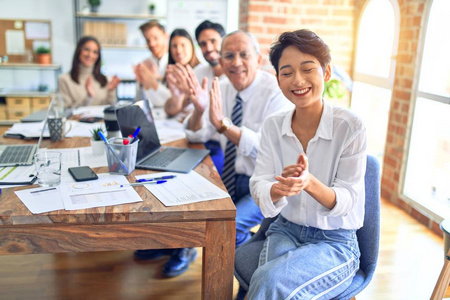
point(374, 70)
point(427, 179)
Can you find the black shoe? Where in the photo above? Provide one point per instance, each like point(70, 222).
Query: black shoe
point(152, 253)
point(179, 261)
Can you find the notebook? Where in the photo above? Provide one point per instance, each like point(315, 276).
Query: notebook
point(151, 155)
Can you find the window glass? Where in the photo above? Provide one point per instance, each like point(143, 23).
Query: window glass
point(375, 39)
point(435, 70)
point(373, 108)
point(428, 167)
point(427, 179)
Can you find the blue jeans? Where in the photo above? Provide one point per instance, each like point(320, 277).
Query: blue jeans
point(299, 262)
point(216, 153)
point(248, 214)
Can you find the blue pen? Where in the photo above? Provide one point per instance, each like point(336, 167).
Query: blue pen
point(142, 183)
point(156, 178)
point(135, 134)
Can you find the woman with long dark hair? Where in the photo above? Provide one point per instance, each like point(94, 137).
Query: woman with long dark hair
point(85, 84)
point(182, 53)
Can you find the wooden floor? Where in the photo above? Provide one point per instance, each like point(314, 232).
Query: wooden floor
point(410, 260)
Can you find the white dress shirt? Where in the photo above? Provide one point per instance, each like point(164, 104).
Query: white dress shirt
point(161, 63)
point(337, 158)
point(205, 70)
point(260, 100)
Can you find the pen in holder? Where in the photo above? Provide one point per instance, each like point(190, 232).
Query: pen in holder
point(121, 156)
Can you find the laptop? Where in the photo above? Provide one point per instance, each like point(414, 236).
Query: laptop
point(19, 155)
point(151, 155)
point(40, 115)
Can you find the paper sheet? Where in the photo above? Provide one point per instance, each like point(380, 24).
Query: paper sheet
point(183, 189)
point(15, 42)
point(104, 191)
point(169, 130)
point(72, 195)
point(90, 111)
point(40, 200)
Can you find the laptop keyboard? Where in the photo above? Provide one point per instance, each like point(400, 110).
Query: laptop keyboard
point(164, 158)
point(16, 154)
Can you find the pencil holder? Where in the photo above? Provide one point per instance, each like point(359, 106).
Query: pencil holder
point(121, 155)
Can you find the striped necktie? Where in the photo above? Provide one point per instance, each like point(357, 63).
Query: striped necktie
point(229, 172)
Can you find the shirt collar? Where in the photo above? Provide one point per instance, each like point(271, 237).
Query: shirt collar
point(250, 90)
point(325, 129)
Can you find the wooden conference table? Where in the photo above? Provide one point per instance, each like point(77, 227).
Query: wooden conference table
point(144, 225)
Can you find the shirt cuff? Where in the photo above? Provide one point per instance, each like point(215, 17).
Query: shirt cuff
point(248, 142)
point(269, 209)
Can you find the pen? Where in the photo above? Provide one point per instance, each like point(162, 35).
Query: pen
point(142, 183)
point(156, 178)
point(50, 189)
point(135, 134)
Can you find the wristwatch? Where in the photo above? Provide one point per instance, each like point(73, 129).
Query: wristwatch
point(226, 124)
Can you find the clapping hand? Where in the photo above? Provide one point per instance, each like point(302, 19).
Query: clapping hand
point(113, 83)
point(90, 87)
point(146, 76)
point(198, 94)
point(215, 104)
point(293, 180)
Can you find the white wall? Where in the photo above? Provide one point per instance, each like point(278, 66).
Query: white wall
point(61, 14)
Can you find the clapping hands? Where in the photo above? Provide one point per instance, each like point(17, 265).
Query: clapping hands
point(293, 180)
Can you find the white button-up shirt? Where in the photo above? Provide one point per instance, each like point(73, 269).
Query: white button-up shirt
point(336, 156)
point(260, 99)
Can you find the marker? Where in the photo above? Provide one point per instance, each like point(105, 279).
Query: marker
point(142, 183)
point(156, 178)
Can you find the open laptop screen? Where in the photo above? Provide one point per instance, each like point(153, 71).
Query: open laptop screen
point(139, 114)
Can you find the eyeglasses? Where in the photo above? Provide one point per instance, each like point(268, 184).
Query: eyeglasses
point(230, 56)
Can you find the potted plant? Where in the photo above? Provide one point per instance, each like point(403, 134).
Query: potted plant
point(94, 5)
point(151, 8)
point(43, 55)
point(97, 144)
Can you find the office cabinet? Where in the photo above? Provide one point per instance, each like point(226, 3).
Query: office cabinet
point(25, 88)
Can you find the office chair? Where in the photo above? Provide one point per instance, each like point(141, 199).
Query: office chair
point(247, 255)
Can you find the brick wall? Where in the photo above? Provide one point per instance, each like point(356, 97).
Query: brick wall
point(332, 20)
point(335, 21)
point(412, 18)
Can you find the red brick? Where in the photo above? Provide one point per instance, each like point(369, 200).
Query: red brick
point(260, 7)
point(333, 2)
point(317, 11)
point(434, 226)
point(274, 20)
point(402, 95)
point(419, 217)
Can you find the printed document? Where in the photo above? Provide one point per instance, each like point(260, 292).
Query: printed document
point(70, 195)
point(104, 191)
point(183, 188)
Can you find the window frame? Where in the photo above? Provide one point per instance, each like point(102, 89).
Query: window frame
point(415, 94)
